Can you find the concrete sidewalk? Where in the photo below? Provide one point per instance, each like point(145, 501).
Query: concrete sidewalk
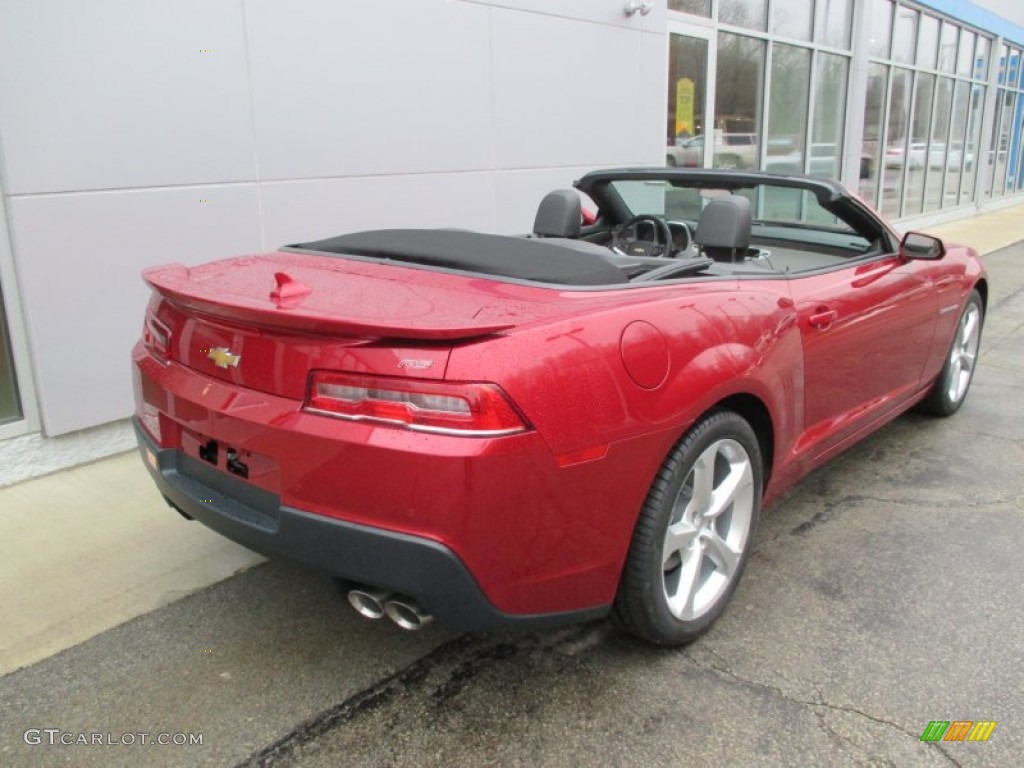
point(89, 548)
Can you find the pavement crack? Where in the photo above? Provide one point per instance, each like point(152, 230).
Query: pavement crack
point(453, 665)
point(365, 701)
point(816, 705)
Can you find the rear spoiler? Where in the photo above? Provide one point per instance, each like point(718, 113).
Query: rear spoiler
point(175, 283)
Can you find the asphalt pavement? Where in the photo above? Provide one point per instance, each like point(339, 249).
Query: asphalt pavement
point(884, 592)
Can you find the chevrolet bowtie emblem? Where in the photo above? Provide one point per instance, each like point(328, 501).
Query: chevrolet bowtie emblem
point(223, 358)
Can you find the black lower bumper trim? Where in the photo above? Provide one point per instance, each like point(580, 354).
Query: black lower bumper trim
point(421, 568)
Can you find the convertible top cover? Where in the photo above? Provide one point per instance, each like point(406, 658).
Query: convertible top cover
point(537, 259)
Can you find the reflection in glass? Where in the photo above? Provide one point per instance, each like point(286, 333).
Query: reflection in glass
point(947, 47)
point(792, 18)
point(918, 154)
point(1004, 126)
point(904, 36)
point(787, 112)
point(927, 41)
point(974, 157)
point(980, 71)
point(871, 150)
point(10, 403)
point(965, 59)
point(881, 25)
point(739, 86)
point(829, 116)
point(936, 157)
point(896, 135)
point(1013, 67)
point(959, 154)
point(687, 70)
point(743, 13)
point(1004, 55)
point(698, 7)
point(833, 23)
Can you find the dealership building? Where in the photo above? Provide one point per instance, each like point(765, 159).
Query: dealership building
point(134, 134)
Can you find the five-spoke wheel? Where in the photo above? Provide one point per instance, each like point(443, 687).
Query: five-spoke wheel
point(950, 388)
point(694, 533)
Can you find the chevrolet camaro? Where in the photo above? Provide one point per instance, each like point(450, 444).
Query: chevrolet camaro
point(584, 420)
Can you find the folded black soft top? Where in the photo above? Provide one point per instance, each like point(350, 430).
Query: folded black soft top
point(554, 260)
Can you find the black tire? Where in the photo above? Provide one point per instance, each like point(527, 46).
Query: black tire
point(954, 380)
point(648, 604)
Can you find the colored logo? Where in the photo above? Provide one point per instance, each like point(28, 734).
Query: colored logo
point(223, 358)
point(958, 730)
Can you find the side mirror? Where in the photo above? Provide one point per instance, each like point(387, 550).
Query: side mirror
point(918, 246)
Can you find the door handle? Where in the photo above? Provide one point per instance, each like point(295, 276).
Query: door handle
point(822, 319)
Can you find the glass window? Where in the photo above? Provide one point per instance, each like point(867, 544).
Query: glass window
point(833, 24)
point(947, 47)
point(793, 18)
point(1003, 128)
point(739, 84)
point(935, 159)
point(743, 13)
point(687, 69)
point(10, 403)
point(826, 151)
point(956, 151)
point(896, 140)
point(881, 25)
point(1012, 68)
point(917, 155)
point(871, 150)
point(1004, 55)
point(965, 59)
point(1018, 165)
point(980, 71)
point(698, 7)
point(927, 41)
point(973, 157)
point(904, 35)
point(787, 111)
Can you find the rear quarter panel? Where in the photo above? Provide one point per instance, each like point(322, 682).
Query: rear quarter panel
point(576, 380)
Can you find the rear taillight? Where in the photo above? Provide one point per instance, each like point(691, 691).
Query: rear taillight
point(156, 337)
point(470, 409)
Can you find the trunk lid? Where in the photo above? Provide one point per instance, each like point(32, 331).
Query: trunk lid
point(264, 322)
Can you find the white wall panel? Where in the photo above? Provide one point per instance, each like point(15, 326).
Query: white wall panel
point(79, 261)
point(309, 210)
point(567, 93)
point(518, 194)
point(116, 93)
point(348, 89)
point(601, 12)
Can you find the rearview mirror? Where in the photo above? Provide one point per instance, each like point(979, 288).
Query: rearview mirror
point(919, 246)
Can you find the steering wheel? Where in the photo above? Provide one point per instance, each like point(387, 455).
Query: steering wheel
point(628, 240)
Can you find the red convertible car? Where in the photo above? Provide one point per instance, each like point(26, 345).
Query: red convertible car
point(525, 431)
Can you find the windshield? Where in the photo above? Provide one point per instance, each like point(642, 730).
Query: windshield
point(791, 213)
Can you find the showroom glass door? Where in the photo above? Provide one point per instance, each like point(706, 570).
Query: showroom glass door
point(690, 96)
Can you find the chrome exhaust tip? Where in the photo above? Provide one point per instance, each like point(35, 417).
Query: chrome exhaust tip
point(368, 602)
point(407, 613)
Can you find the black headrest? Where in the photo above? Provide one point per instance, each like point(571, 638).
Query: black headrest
point(724, 227)
point(559, 215)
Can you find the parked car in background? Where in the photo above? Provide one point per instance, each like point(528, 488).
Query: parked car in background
point(523, 432)
point(936, 155)
point(732, 150)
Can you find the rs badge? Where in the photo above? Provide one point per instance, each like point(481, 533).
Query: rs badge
point(223, 358)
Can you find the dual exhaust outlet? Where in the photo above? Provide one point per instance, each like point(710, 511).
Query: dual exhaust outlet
point(378, 603)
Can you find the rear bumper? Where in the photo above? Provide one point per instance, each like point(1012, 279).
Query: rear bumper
point(411, 565)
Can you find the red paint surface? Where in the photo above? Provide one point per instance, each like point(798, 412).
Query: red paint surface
point(609, 381)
